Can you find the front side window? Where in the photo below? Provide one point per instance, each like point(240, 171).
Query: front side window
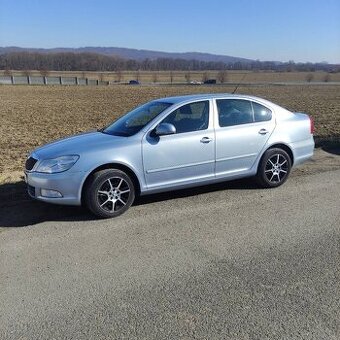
point(134, 121)
point(234, 112)
point(190, 117)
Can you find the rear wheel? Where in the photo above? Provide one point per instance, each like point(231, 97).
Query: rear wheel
point(109, 193)
point(274, 168)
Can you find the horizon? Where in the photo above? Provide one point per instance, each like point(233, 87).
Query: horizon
point(170, 52)
point(303, 31)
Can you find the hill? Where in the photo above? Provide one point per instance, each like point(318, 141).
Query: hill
point(130, 53)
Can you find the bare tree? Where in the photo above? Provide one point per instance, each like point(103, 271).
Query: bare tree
point(171, 77)
point(27, 73)
point(119, 76)
point(291, 66)
point(137, 75)
point(187, 76)
point(99, 63)
point(327, 78)
point(309, 77)
point(222, 76)
point(44, 72)
point(154, 77)
point(7, 72)
point(101, 76)
point(205, 76)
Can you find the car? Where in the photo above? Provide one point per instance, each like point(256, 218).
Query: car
point(210, 81)
point(171, 143)
point(134, 82)
point(195, 82)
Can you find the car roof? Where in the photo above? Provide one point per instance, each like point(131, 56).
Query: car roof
point(206, 96)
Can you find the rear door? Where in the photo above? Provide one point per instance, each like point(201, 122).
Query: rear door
point(242, 129)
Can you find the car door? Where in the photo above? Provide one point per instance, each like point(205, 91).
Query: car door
point(186, 156)
point(243, 128)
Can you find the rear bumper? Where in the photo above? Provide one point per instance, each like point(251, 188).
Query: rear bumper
point(302, 150)
point(67, 184)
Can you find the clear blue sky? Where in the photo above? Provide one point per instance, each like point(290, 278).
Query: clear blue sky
point(300, 30)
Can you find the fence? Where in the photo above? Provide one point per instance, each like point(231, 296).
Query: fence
point(36, 80)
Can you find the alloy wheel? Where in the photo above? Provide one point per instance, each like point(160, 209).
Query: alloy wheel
point(113, 194)
point(277, 168)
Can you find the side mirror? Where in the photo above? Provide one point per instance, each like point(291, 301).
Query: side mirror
point(164, 129)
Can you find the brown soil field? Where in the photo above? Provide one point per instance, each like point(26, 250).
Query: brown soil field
point(33, 115)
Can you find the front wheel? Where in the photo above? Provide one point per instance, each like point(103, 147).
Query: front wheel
point(274, 168)
point(109, 193)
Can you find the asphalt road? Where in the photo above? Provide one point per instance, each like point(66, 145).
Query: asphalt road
point(225, 262)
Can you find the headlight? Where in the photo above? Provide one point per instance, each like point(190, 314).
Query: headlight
point(58, 164)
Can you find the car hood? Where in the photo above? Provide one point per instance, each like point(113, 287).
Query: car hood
point(77, 144)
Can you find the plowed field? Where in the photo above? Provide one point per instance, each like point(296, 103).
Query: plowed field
point(33, 115)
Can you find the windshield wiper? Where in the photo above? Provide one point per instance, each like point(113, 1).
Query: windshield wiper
point(114, 133)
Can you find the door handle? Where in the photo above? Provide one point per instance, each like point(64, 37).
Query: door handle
point(263, 132)
point(206, 140)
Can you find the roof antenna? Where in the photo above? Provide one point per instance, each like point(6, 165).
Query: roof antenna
point(239, 83)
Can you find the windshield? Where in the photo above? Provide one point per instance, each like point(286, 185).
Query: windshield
point(135, 120)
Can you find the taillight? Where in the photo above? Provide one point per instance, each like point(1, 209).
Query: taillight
point(312, 128)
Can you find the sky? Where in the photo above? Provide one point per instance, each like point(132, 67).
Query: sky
point(300, 30)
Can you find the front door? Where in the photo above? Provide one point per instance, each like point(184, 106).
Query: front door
point(186, 156)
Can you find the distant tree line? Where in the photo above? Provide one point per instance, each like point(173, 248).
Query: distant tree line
point(97, 62)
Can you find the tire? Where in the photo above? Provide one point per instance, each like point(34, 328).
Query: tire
point(274, 168)
point(109, 193)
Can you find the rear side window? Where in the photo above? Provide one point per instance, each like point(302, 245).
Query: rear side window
point(234, 112)
point(261, 113)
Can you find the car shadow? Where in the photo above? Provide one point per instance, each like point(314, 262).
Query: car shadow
point(243, 184)
point(329, 145)
point(335, 150)
point(17, 209)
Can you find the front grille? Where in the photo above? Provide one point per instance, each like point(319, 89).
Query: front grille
point(30, 163)
point(31, 190)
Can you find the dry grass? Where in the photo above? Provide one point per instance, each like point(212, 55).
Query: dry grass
point(179, 76)
point(33, 115)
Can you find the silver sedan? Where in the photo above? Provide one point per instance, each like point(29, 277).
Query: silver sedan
point(171, 143)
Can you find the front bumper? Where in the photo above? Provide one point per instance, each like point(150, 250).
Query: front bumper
point(68, 184)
